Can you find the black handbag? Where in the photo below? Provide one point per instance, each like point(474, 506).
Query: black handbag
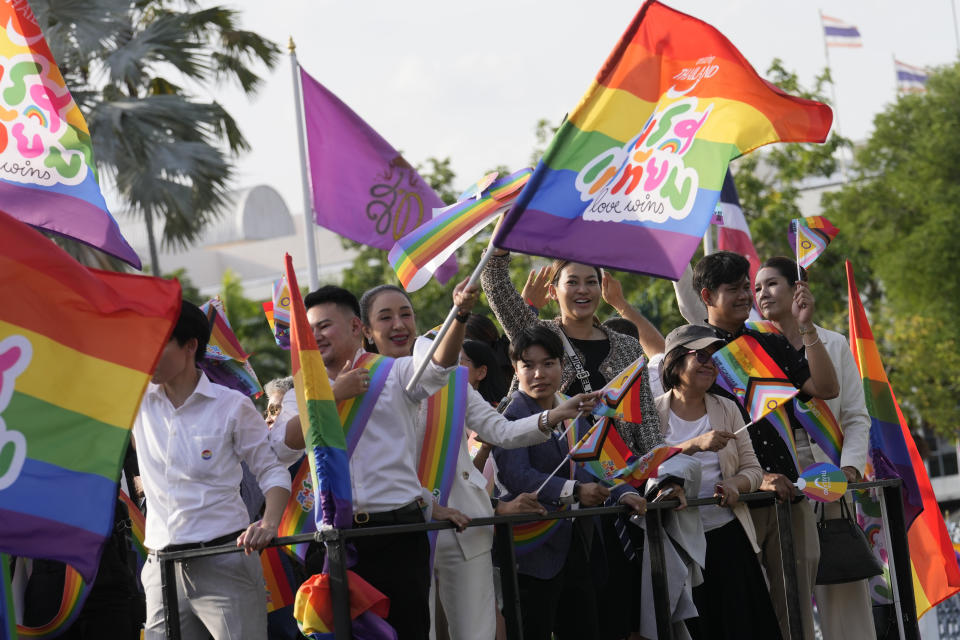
point(845, 554)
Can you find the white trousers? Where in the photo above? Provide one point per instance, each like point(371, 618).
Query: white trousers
point(466, 591)
point(224, 595)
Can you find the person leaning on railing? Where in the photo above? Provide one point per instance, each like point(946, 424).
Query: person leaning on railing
point(702, 425)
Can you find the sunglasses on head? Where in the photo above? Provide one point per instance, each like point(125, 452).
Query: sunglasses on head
point(703, 357)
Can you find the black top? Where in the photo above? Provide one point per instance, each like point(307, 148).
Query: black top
point(772, 452)
point(594, 352)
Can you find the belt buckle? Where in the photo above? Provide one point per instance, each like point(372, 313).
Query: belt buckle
point(361, 517)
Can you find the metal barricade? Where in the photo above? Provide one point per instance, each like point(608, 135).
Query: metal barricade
point(335, 541)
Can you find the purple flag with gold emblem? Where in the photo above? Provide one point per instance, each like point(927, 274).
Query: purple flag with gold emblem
point(362, 187)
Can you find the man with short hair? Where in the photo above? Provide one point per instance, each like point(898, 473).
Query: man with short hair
point(191, 436)
point(721, 283)
point(383, 465)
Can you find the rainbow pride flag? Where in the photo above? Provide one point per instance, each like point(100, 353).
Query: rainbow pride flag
point(277, 311)
point(416, 256)
point(633, 176)
point(48, 177)
point(297, 515)
point(279, 579)
point(368, 608)
point(77, 349)
point(893, 454)
point(322, 433)
point(446, 412)
point(602, 452)
point(226, 362)
point(529, 536)
point(809, 238)
point(620, 398)
point(749, 372)
point(138, 530)
point(75, 592)
point(646, 466)
point(780, 420)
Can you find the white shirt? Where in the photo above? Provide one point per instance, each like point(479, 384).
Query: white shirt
point(680, 430)
point(383, 467)
point(190, 462)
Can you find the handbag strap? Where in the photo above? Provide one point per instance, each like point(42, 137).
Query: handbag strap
point(579, 371)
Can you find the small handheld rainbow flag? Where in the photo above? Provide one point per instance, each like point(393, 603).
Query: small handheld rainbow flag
point(809, 238)
point(822, 482)
point(417, 255)
point(277, 311)
point(602, 451)
point(645, 467)
point(226, 362)
point(621, 396)
point(753, 377)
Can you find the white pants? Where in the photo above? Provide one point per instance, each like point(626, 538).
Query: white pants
point(224, 595)
point(466, 591)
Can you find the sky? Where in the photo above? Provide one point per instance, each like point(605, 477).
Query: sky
point(469, 81)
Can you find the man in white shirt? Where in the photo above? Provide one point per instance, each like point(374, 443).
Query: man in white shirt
point(383, 466)
point(191, 436)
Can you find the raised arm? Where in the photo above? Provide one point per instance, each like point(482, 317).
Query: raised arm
point(649, 337)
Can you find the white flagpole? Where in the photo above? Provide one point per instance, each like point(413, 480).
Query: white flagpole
point(304, 178)
point(833, 94)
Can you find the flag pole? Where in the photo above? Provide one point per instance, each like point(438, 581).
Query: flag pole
point(796, 233)
point(566, 457)
point(474, 278)
point(304, 178)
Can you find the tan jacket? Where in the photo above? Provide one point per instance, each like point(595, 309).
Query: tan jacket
point(735, 458)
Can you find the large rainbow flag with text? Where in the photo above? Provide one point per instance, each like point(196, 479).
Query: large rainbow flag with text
point(77, 349)
point(633, 175)
point(893, 454)
point(47, 175)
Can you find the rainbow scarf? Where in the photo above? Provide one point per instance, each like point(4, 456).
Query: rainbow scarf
point(633, 176)
point(50, 178)
point(322, 433)
point(809, 238)
point(417, 256)
point(893, 454)
point(296, 515)
point(446, 412)
point(355, 412)
point(75, 592)
point(226, 362)
point(818, 420)
point(69, 398)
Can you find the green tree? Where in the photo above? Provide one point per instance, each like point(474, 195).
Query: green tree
point(900, 213)
point(168, 151)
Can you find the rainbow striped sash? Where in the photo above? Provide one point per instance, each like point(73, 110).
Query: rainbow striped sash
point(355, 412)
point(446, 412)
point(297, 515)
point(75, 593)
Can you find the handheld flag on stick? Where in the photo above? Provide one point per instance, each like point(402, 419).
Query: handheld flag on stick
point(603, 452)
point(893, 454)
point(645, 467)
point(277, 311)
point(416, 256)
point(49, 178)
point(226, 362)
point(620, 398)
point(638, 166)
point(77, 349)
point(809, 238)
point(822, 482)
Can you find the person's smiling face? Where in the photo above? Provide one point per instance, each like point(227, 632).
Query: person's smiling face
point(393, 325)
point(577, 290)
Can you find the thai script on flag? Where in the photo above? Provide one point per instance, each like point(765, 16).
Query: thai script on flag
point(910, 79)
point(838, 33)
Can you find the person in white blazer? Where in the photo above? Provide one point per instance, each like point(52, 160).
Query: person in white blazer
point(845, 609)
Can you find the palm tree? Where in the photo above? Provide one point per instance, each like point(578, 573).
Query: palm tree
point(168, 152)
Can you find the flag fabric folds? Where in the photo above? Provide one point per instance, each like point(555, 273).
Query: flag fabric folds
point(631, 179)
point(646, 466)
point(77, 348)
point(418, 255)
point(47, 175)
point(368, 608)
point(277, 311)
point(809, 238)
point(297, 516)
point(837, 33)
point(893, 454)
point(910, 79)
point(325, 442)
point(362, 187)
point(226, 363)
point(734, 233)
point(620, 398)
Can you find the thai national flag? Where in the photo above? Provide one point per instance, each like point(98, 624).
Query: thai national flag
point(838, 33)
point(910, 79)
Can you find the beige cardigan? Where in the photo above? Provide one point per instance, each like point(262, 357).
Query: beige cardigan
point(734, 459)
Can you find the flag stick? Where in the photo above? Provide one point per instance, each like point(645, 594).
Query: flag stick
point(304, 179)
point(749, 424)
point(566, 457)
point(796, 234)
point(474, 277)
